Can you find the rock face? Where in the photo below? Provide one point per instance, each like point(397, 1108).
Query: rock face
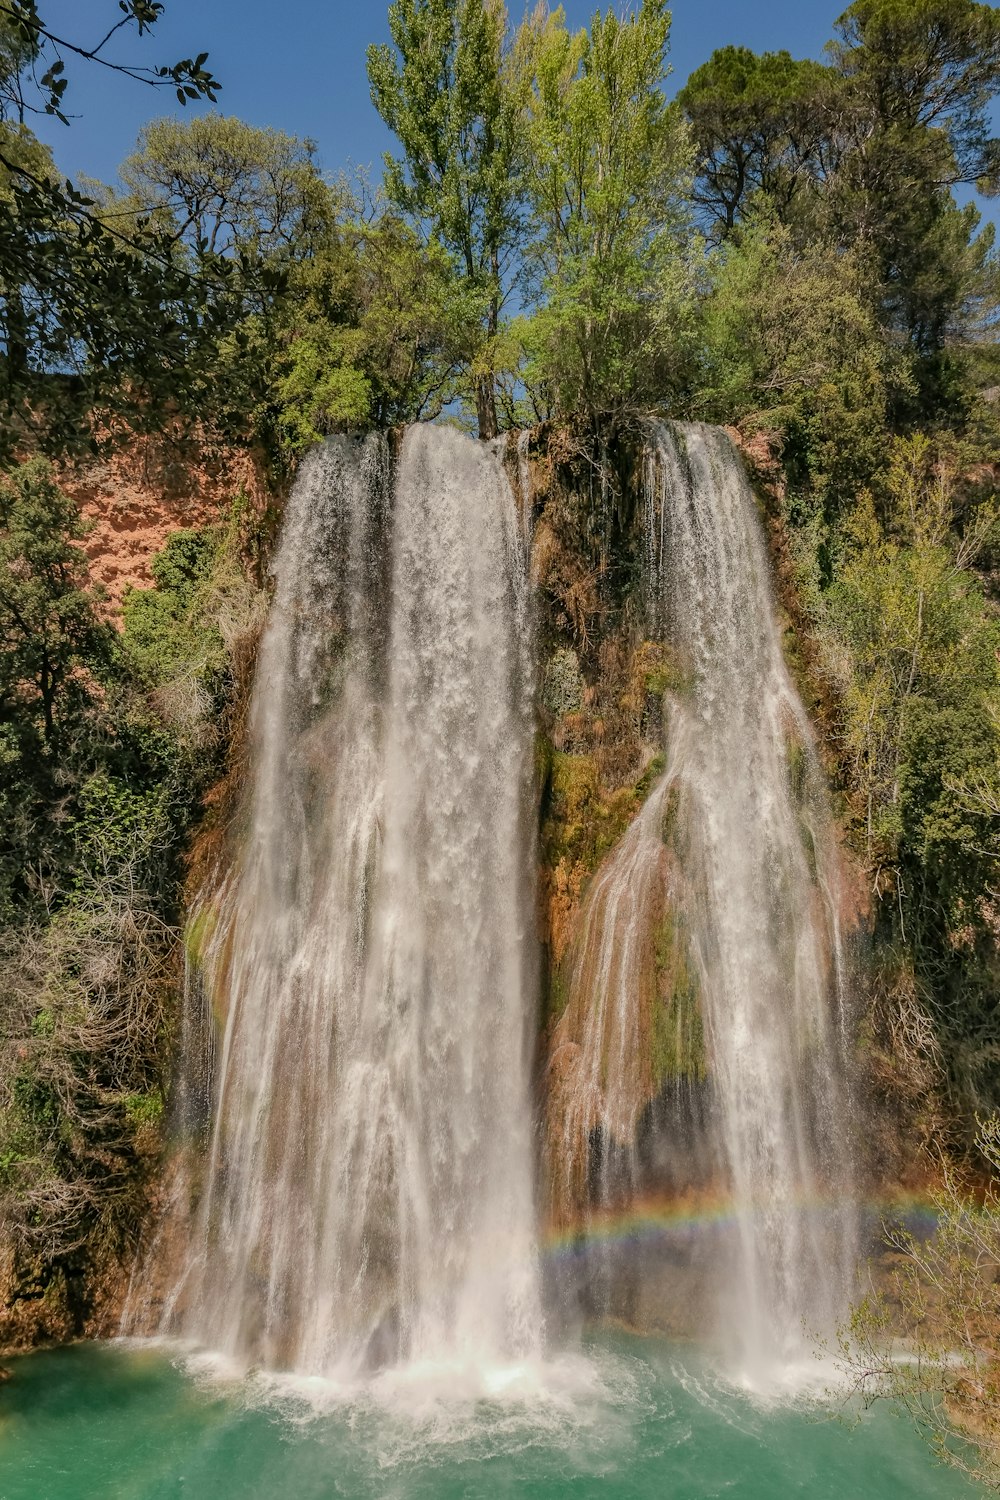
point(603, 673)
point(153, 485)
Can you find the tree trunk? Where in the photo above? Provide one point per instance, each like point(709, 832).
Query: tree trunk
point(17, 340)
point(486, 395)
point(486, 407)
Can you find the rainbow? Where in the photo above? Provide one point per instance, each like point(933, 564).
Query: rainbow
point(678, 1220)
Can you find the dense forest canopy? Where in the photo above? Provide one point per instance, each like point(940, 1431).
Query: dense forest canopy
point(552, 236)
point(561, 236)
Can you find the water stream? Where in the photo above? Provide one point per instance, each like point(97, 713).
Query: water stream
point(758, 853)
point(369, 1193)
point(729, 880)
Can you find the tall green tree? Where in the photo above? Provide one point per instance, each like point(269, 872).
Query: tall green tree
point(452, 89)
point(913, 122)
point(48, 624)
point(790, 344)
point(609, 162)
point(54, 650)
point(913, 645)
point(928, 65)
point(223, 187)
point(372, 332)
point(338, 315)
point(864, 155)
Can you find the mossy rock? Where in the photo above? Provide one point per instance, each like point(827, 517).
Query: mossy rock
point(678, 1036)
point(562, 684)
point(582, 823)
point(198, 932)
point(797, 761)
point(671, 815)
point(556, 994)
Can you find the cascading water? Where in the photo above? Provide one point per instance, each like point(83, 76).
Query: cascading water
point(757, 853)
point(607, 1078)
point(735, 843)
point(369, 1186)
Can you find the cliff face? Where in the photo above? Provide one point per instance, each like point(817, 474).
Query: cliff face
point(604, 676)
point(134, 499)
point(139, 494)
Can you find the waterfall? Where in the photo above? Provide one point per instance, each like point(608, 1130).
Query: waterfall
point(736, 846)
point(368, 1196)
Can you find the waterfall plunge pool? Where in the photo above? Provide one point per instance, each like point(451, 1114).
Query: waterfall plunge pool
point(627, 1417)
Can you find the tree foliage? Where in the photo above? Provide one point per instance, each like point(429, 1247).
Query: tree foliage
point(107, 745)
point(90, 311)
point(863, 154)
point(913, 645)
point(790, 345)
point(336, 314)
point(945, 1296)
point(51, 635)
point(928, 65)
point(759, 129)
point(609, 159)
point(453, 93)
point(224, 188)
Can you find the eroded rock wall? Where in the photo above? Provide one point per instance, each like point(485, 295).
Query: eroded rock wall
point(148, 487)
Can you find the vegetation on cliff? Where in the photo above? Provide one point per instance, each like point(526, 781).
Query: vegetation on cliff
point(110, 740)
point(944, 1290)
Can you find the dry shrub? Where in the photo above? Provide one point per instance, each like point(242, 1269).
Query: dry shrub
point(906, 1070)
point(944, 1299)
point(86, 998)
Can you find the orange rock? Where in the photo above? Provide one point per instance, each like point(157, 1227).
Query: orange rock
point(145, 490)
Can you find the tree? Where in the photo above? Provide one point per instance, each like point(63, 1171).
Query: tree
point(912, 645)
point(338, 316)
point(928, 65)
point(760, 127)
point(453, 92)
point(53, 644)
point(912, 120)
point(89, 310)
point(223, 187)
point(864, 155)
point(790, 345)
point(373, 332)
point(610, 156)
point(239, 208)
point(49, 628)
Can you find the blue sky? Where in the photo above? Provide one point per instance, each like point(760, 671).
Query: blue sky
point(300, 65)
